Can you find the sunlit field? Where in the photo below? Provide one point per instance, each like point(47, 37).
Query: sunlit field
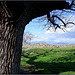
point(49, 61)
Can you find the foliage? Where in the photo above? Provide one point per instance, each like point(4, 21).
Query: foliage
point(49, 60)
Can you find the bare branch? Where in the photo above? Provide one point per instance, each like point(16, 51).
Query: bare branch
point(55, 17)
point(59, 19)
point(51, 19)
point(72, 9)
point(72, 3)
point(70, 23)
point(27, 37)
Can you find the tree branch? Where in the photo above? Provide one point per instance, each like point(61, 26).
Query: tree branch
point(70, 23)
point(51, 19)
point(59, 19)
point(72, 3)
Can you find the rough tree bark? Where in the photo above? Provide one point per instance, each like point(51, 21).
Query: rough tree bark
point(13, 18)
point(7, 39)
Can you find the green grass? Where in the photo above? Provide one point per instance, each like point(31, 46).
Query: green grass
point(49, 60)
point(24, 47)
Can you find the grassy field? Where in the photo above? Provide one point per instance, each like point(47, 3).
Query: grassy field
point(49, 61)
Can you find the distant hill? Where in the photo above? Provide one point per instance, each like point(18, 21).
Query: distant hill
point(44, 45)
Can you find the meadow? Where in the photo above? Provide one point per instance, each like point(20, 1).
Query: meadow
point(49, 61)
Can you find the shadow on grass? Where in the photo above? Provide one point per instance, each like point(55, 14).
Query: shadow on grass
point(56, 66)
point(50, 68)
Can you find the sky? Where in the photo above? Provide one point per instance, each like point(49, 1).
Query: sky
point(50, 36)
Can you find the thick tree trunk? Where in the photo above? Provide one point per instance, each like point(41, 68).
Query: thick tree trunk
point(19, 38)
point(11, 32)
point(9, 60)
point(7, 40)
point(11, 36)
point(17, 55)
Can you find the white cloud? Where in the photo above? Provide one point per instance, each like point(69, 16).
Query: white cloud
point(66, 40)
point(60, 31)
point(57, 37)
point(40, 38)
point(35, 35)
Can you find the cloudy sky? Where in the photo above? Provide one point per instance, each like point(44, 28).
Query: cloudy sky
point(51, 36)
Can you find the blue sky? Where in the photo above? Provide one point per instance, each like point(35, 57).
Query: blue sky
point(50, 36)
